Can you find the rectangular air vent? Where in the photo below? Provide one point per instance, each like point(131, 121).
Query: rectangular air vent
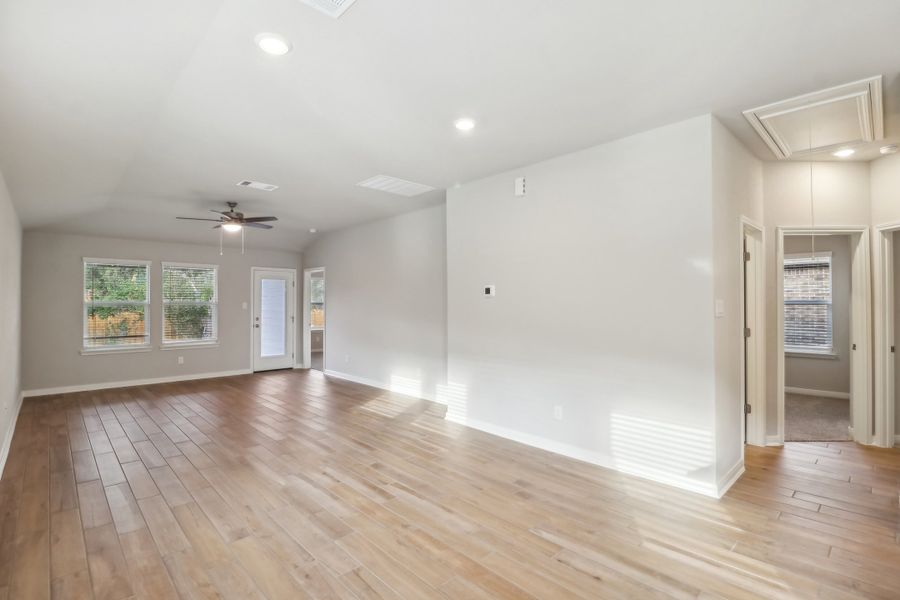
point(842, 116)
point(257, 185)
point(332, 8)
point(393, 185)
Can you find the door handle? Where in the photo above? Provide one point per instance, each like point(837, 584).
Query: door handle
point(256, 325)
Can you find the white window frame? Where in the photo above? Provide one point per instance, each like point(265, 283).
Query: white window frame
point(145, 347)
point(809, 350)
point(208, 343)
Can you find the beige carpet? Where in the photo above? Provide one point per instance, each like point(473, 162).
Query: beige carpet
point(814, 419)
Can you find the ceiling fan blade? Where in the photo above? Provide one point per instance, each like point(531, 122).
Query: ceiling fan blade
point(196, 219)
point(216, 226)
point(219, 212)
point(259, 219)
point(257, 225)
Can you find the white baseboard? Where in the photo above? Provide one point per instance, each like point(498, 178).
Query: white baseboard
point(131, 383)
point(819, 393)
point(588, 456)
point(897, 440)
point(8, 436)
point(727, 480)
point(382, 385)
point(774, 440)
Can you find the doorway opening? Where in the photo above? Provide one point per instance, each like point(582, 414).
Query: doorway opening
point(824, 319)
point(314, 319)
point(753, 303)
point(273, 330)
point(887, 328)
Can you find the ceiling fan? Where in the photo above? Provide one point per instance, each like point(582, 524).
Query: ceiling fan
point(234, 221)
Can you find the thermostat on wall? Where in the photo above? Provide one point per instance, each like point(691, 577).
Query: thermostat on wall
point(490, 291)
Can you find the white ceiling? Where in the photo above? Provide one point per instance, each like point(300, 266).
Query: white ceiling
point(117, 116)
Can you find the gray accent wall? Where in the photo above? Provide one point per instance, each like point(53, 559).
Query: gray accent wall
point(10, 305)
point(52, 316)
point(385, 301)
point(817, 373)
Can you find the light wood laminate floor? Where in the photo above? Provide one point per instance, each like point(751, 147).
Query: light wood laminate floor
point(291, 485)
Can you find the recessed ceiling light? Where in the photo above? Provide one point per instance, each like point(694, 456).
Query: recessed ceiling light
point(844, 152)
point(889, 149)
point(464, 124)
point(313, 230)
point(272, 43)
point(231, 227)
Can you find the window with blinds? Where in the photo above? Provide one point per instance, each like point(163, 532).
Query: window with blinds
point(116, 303)
point(808, 323)
point(190, 303)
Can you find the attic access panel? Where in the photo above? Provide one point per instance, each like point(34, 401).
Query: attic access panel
point(845, 115)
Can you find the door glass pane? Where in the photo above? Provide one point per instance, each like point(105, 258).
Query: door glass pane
point(272, 318)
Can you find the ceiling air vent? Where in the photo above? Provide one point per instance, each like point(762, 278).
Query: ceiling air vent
point(393, 185)
point(824, 121)
point(257, 185)
point(332, 8)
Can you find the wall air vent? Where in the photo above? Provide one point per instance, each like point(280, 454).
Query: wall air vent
point(393, 185)
point(257, 185)
point(825, 121)
point(332, 8)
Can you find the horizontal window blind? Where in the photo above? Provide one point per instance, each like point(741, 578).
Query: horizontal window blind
point(190, 303)
point(808, 323)
point(116, 301)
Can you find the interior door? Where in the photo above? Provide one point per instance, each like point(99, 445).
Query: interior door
point(273, 319)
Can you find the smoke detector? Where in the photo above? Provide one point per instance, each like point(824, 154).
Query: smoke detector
point(257, 185)
point(332, 8)
point(394, 185)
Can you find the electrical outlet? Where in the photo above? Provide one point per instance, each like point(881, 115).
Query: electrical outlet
point(557, 412)
point(180, 360)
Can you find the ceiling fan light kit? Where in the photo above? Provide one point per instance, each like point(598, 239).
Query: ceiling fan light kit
point(233, 221)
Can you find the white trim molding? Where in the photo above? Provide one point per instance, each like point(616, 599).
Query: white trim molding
point(588, 456)
point(728, 479)
point(774, 440)
point(381, 385)
point(89, 387)
point(8, 435)
point(818, 393)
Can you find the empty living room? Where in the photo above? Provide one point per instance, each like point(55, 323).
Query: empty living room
point(408, 299)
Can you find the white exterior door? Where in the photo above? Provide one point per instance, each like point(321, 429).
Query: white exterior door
point(273, 319)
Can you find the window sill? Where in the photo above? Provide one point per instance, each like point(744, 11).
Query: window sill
point(810, 354)
point(120, 350)
point(183, 345)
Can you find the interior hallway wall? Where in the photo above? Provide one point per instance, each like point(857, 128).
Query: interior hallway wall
point(610, 258)
point(842, 197)
point(821, 373)
point(53, 281)
point(385, 301)
point(737, 190)
point(10, 318)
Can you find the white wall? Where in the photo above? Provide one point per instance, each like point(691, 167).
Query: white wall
point(841, 193)
point(737, 180)
point(817, 373)
point(10, 304)
point(604, 305)
point(52, 315)
point(385, 301)
point(886, 190)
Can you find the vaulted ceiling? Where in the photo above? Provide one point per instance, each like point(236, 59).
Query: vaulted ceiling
point(117, 116)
